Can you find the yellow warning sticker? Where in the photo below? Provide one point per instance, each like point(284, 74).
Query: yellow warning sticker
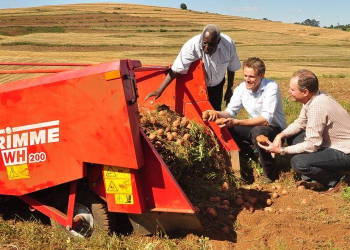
point(116, 172)
point(111, 187)
point(124, 199)
point(18, 172)
point(118, 182)
point(118, 186)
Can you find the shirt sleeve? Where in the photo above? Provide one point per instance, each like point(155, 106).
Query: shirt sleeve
point(185, 58)
point(234, 63)
point(316, 123)
point(298, 125)
point(235, 103)
point(272, 96)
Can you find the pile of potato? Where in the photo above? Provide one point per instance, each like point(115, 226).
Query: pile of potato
point(188, 149)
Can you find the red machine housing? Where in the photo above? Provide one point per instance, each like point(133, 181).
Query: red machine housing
point(84, 123)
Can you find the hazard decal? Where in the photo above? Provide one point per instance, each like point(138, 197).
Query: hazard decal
point(124, 199)
point(18, 172)
point(118, 182)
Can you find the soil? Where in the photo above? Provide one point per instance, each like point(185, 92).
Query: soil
point(301, 219)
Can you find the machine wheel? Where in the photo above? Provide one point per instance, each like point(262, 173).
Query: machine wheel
point(91, 211)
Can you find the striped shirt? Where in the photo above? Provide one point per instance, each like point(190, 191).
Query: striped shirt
point(224, 58)
point(326, 124)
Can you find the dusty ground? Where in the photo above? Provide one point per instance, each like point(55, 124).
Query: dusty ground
point(301, 219)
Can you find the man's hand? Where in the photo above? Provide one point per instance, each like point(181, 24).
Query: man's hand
point(213, 115)
point(271, 148)
point(156, 94)
point(228, 96)
point(229, 122)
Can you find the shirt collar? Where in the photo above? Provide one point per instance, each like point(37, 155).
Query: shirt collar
point(312, 98)
point(262, 86)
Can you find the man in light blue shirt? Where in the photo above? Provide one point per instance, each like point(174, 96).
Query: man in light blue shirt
point(261, 98)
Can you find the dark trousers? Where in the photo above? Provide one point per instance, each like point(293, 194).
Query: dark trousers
point(215, 95)
point(246, 136)
point(323, 166)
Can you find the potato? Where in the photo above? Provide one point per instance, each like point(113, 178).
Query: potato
point(143, 120)
point(169, 136)
point(252, 200)
point(167, 129)
point(160, 131)
point(262, 139)
point(176, 123)
point(225, 207)
point(211, 212)
point(239, 202)
point(162, 113)
point(215, 198)
point(180, 142)
point(284, 191)
point(205, 115)
point(174, 134)
point(225, 186)
point(186, 137)
point(220, 121)
point(259, 187)
point(269, 209)
point(184, 122)
point(152, 136)
point(157, 144)
point(152, 120)
point(268, 202)
point(226, 202)
point(168, 119)
point(225, 230)
point(274, 195)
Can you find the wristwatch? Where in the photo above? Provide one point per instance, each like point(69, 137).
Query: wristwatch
point(283, 151)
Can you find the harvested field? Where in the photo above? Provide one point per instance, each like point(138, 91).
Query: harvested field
point(96, 33)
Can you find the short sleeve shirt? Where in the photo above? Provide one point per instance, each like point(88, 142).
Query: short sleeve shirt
point(215, 65)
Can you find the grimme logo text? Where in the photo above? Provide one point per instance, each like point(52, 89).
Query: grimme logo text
point(15, 141)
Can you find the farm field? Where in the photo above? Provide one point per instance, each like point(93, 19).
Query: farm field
point(96, 33)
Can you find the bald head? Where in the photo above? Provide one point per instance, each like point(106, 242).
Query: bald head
point(210, 38)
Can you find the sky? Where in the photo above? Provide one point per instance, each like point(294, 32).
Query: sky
point(327, 12)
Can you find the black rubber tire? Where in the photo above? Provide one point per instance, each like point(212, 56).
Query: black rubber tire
point(103, 220)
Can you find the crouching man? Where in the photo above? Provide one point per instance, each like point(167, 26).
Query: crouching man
point(321, 134)
point(261, 98)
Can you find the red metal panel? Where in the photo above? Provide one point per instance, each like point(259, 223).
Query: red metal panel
point(67, 119)
point(160, 189)
point(148, 79)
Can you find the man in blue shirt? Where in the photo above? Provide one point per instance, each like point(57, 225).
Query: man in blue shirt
point(261, 98)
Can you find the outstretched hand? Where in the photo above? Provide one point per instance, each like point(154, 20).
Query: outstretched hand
point(156, 95)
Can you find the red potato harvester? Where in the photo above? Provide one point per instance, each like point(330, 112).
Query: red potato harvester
point(72, 147)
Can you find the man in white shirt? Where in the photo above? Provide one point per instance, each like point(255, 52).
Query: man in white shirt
point(218, 53)
point(261, 98)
